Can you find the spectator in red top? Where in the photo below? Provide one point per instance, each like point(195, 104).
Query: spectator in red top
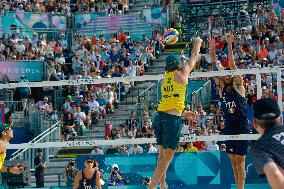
point(108, 128)
point(262, 53)
point(219, 44)
point(122, 37)
point(225, 61)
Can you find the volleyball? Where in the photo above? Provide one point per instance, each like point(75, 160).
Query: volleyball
point(171, 36)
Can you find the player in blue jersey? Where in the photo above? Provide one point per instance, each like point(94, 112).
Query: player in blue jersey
point(234, 106)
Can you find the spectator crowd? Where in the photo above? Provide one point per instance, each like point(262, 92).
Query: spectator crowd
point(258, 44)
point(64, 6)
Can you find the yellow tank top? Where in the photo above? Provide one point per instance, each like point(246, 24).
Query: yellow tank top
point(173, 94)
point(2, 159)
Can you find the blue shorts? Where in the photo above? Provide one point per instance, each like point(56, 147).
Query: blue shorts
point(167, 130)
point(238, 147)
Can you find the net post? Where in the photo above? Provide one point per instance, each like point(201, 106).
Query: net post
point(279, 89)
point(258, 84)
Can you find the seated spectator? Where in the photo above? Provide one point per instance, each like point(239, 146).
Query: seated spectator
point(108, 128)
point(80, 118)
point(123, 149)
point(94, 105)
point(111, 99)
point(132, 122)
point(122, 37)
point(112, 150)
point(135, 149)
point(43, 105)
point(212, 146)
point(185, 129)
point(85, 108)
point(55, 115)
point(97, 151)
point(152, 148)
point(68, 131)
point(190, 147)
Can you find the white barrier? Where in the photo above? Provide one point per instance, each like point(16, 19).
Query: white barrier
point(254, 71)
point(119, 142)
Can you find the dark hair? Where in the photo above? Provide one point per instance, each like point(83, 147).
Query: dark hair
point(39, 150)
point(268, 124)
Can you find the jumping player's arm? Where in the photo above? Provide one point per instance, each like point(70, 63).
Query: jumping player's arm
point(78, 177)
point(274, 175)
point(193, 59)
point(238, 79)
point(212, 52)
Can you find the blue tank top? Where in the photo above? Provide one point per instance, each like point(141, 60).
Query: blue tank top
point(235, 110)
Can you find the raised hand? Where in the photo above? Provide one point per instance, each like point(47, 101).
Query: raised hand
point(230, 38)
point(212, 43)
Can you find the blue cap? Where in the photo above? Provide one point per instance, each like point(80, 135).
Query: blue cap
point(5, 126)
point(172, 62)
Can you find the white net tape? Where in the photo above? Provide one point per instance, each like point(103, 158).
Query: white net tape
point(139, 78)
point(119, 142)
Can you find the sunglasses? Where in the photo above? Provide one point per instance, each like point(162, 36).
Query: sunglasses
point(89, 161)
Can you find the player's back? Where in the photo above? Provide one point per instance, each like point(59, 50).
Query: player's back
point(272, 142)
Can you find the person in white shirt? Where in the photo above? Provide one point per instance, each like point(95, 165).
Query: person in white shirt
point(212, 146)
point(93, 105)
point(131, 69)
point(62, 41)
point(54, 115)
point(135, 149)
point(60, 59)
point(2, 46)
point(253, 64)
point(20, 47)
point(97, 151)
point(79, 116)
point(184, 129)
point(152, 149)
point(272, 52)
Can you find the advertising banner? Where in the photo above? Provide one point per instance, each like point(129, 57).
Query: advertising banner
point(187, 170)
point(13, 70)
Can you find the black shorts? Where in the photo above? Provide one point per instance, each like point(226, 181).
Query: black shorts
point(238, 147)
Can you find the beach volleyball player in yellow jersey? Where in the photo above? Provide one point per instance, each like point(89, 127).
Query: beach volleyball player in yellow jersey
point(6, 133)
point(168, 121)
